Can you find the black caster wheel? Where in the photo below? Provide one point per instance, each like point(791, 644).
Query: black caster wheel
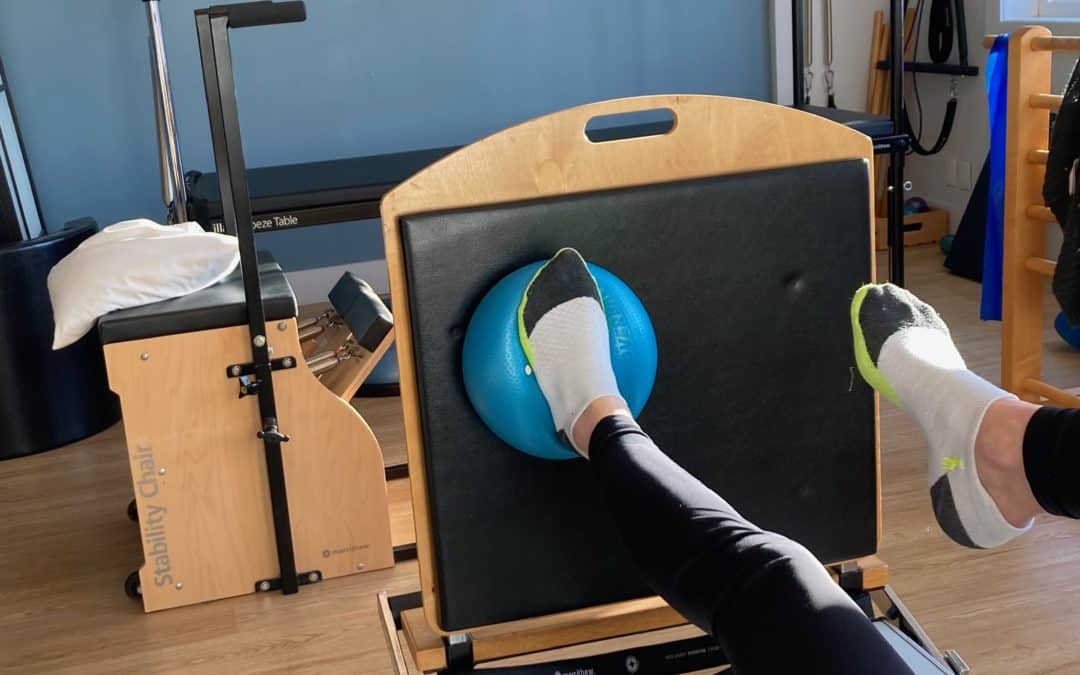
point(133, 511)
point(132, 585)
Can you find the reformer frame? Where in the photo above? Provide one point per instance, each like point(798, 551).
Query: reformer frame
point(1026, 268)
point(550, 157)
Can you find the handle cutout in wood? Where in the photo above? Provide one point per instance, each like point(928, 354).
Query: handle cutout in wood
point(634, 124)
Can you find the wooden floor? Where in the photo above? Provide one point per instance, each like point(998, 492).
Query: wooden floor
point(66, 546)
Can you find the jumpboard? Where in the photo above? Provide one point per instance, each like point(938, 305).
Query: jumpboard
point(747, 278)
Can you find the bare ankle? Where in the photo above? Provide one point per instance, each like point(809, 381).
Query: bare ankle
point(1000, 459)
point(605, 406)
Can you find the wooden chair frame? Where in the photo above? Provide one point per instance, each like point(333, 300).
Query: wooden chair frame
point(1026, 267)
point(197, 467)
point(550, 157)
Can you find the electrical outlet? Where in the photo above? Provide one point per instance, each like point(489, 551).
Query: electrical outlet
point(963, 174)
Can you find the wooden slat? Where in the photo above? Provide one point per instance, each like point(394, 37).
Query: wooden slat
point(1050, 102)
point(909, 25)
point(1041, 266)
point(503, 645)
point(1038, 156)
point(1043, 44)
point(875, 572)
point(1022, 292)
point(1041, 213)
point(875, 72)
point(1056, 44)
point(649, 614)
point(1052, 393)
point(387, 619)
point(881, 91)
point(878, 106)
point(425, 645)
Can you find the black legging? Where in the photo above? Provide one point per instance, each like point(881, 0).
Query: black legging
point(765, 598)
point(1052, 459)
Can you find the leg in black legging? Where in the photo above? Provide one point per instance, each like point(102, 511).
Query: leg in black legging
point(765, 598)
point(1052, 459)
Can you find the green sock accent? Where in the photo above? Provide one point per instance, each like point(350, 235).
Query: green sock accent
point(863, 360)
point(523, 335)
point(952, 464)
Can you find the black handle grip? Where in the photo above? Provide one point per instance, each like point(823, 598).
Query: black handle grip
point(264, 13)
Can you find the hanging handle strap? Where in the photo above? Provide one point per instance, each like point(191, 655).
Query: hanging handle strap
point(943, 136)
point(942, 27)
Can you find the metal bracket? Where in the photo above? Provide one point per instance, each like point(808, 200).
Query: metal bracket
point(241, 369)
point(958, 665)
point(850, 577)
point(459, 652)
point(302, 579)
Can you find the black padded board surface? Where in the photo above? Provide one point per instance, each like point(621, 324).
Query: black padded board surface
point(747, 279)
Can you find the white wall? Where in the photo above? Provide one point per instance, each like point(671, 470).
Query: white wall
point(852, 21)
point(970, 140)
point(969, 143)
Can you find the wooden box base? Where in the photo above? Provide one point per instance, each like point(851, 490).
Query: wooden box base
point(919, 229)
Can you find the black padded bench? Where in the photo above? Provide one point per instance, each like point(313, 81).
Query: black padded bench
point(218, 306)
point(877, 127)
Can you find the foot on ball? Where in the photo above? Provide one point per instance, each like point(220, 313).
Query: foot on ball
point(564, 333)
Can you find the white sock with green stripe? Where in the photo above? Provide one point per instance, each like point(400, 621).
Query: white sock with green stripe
point(564, 333)
point(904, 350)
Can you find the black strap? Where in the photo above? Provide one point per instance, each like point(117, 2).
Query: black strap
point(943, 137)
point(961, 32)
point(942, 27)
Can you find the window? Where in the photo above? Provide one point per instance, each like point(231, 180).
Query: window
point(1064, 9)
point(1045, 10)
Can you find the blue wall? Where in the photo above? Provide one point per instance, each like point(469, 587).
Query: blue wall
point(359, 77)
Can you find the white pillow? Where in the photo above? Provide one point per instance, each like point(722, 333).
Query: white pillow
point(133, 263)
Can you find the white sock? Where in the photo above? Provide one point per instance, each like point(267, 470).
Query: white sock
point(949, 402)
point(925, 375)
point(565, 336)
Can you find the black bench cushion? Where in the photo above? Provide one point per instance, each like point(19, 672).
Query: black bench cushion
point(294, 187)
point(218, 306)
point(874, 126)
point(747, 279)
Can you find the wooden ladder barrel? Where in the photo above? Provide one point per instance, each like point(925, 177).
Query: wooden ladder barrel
point(1025, 265)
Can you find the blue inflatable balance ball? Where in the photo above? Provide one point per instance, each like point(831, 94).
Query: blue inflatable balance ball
point(501, 386)
point(1070, 334)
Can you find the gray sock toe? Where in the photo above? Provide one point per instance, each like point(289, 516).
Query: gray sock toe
point(888, 309)
point(562, 278)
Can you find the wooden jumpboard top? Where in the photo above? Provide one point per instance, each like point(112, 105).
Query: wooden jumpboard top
point(550, 157)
